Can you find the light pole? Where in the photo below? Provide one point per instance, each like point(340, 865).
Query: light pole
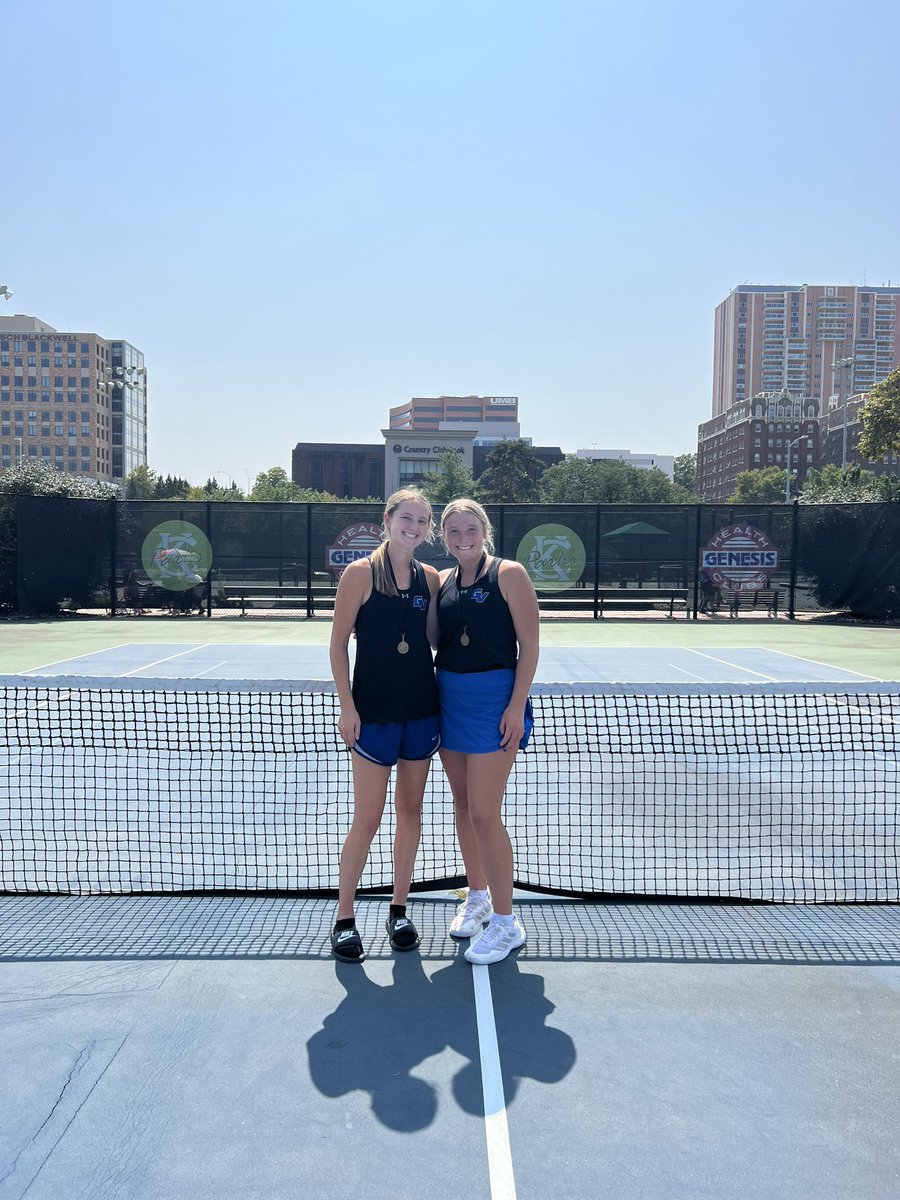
point(18, 452)
point(787, 486)
point(845, 364)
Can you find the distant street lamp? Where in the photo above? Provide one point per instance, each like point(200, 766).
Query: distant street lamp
point(787, 486)
point(18, 452)
point(845, 365)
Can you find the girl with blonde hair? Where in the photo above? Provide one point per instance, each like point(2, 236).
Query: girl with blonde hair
point(389, 712)
point(487, 654)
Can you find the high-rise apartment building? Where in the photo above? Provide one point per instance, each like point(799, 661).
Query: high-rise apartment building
point(818, 341)
point(76, 401)
point(791, 368)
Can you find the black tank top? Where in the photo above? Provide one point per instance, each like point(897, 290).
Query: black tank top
point(388, 686)
point(482, 613)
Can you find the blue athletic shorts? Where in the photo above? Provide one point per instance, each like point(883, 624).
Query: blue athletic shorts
point(413, 740)
point(471, 708)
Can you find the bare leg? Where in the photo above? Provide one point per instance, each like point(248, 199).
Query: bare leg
point(369, 791)
point(486, 781)
point(456, 769)
point(409, 788)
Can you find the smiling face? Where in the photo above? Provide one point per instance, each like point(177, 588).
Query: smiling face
point(408, 524)
point(463, 535)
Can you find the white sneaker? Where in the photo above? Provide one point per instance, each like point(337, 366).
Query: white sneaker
point(496, 942)
point(471, 916)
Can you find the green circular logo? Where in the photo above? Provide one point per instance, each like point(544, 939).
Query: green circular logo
point(177, 555)
point(554, 557)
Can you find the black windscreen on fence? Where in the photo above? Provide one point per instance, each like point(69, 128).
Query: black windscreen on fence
point(270, 559)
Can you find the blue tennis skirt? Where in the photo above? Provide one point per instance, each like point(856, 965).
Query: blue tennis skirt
point(471, 708)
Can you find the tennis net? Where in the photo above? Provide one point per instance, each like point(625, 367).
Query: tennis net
point(770, 793)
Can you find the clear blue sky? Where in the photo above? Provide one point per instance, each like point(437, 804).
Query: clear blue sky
point(414, 197)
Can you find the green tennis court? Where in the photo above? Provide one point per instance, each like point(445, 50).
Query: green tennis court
point(201, 1041)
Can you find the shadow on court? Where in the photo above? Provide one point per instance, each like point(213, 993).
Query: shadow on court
point(66, 928)
point(379, 1034)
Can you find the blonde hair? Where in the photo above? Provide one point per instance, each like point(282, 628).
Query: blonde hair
point(473, 507)
point(382, 579)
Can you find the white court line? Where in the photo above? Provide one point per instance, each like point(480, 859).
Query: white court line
point(93, 653)
point(815, 663)
point(684, 671)
point(205, 669)
point(168, 658)
point(734, 666)
point(496, 1128)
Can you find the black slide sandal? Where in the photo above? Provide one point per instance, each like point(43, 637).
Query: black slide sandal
point(346, 944)
point(402, 932)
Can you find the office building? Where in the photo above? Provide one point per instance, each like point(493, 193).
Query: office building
point(492, 417)
point(75, 401)
point(646, 462)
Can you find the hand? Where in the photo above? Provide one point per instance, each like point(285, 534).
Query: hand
point(349, 726)
point(512, 727)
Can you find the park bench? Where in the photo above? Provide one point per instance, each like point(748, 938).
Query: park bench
point(763, 600)
point(642, 597)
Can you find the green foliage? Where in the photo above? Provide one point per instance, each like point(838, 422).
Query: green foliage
point(510, 474)
point(450, 481)
point(852, 485)
point(608, 481)
point(171, 488)
point(211, 490)
point(686, 471)
point(880, 417)
point(275, 486)
point(759, 487)
point(851, 556)
point(34, 478)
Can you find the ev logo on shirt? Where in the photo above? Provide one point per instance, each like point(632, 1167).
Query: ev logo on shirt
point(479, 595)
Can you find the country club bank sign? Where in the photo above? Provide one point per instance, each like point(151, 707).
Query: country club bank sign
point(740, 558)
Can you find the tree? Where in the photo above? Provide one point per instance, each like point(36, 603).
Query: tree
point(759, 487)
point(212, 490)
point(608, 481)
point(686, 471)
point(510, 474)
point(274, 485)
point(171, 488)
point(450, 481)
point(33, 478)
point(141, 483)
point(880, 417)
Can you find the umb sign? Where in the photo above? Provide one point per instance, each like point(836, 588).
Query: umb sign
point(356, 541)
point(740, 558)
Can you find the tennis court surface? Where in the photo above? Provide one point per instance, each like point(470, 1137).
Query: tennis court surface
point(653, 1044)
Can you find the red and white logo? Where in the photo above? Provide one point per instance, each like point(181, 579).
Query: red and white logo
point(740, 558)
point(356, 541)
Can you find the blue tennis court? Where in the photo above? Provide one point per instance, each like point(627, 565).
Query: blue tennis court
point(195, 1046)
point(593, 664)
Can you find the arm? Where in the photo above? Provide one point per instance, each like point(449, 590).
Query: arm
point(354, 589)
point(431, 621)
point(518, 592)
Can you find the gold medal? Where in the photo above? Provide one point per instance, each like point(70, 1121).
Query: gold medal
point(464, 637)
point(403, 645)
